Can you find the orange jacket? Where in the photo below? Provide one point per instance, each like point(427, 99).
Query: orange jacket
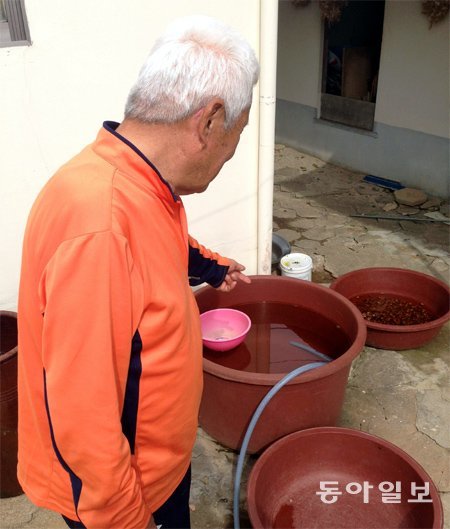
point(110, 362)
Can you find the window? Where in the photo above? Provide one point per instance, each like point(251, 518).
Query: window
point(13, 24)
point(351, 61)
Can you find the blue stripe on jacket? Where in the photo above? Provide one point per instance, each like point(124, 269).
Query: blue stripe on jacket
point(129, 414)
point(204, 270)
point(131, 401)
point(74, 479)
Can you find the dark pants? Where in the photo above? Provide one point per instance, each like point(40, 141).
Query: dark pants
point(173, 514)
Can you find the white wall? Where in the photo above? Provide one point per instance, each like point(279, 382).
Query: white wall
point(410, 141)
point(299, 67)
point(413, 87)
point(56, 94)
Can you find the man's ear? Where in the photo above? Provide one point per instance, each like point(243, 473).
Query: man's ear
point(211, 117)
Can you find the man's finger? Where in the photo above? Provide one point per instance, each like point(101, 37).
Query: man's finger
point(241, 277)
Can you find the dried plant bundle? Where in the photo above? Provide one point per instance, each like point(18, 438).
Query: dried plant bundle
point(332, 10)
point(435, 10)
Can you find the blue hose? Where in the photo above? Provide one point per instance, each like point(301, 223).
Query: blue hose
point(240, 463)
point(308, 348)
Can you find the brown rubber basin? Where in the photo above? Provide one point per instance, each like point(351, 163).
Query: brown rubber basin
point(289, 485)
point(235, 383)
point(419, 288)
point(9, 485)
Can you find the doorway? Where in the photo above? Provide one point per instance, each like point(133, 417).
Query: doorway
point(351, 60)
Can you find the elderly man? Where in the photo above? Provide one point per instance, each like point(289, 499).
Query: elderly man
point(110, 369)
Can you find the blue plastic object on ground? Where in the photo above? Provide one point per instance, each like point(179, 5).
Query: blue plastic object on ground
point(383, 182)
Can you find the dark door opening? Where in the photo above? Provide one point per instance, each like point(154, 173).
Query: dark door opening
point(352, 48)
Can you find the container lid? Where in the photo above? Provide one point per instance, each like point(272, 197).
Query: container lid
point(296, 261)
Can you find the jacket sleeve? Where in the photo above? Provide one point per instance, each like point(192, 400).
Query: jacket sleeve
point(90, 303)
point(206, 266)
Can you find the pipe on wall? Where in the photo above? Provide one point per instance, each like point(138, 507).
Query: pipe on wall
point(267, 100)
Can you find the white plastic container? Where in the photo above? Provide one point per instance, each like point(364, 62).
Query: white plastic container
point(297, 265)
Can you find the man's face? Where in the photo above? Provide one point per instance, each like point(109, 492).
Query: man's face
point(220, 147)
point(226, 143)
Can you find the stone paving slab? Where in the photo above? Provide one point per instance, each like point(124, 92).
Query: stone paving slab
point(19, 512)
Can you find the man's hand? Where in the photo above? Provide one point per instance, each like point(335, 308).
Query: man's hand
point(234, 275)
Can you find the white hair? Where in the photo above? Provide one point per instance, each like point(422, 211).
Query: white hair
point(196, 59)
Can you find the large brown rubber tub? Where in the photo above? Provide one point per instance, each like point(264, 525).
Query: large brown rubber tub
point(315, 398)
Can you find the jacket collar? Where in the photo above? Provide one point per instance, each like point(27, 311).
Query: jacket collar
point(128, 158)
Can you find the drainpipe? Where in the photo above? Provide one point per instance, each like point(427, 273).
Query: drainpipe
point(267, 99)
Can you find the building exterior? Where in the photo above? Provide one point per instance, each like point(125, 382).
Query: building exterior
point(73, 68)
point(407, 96)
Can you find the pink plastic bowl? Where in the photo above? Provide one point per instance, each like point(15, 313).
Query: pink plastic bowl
point(224, 329)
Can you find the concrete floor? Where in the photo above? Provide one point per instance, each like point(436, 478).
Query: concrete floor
point(401, 396)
